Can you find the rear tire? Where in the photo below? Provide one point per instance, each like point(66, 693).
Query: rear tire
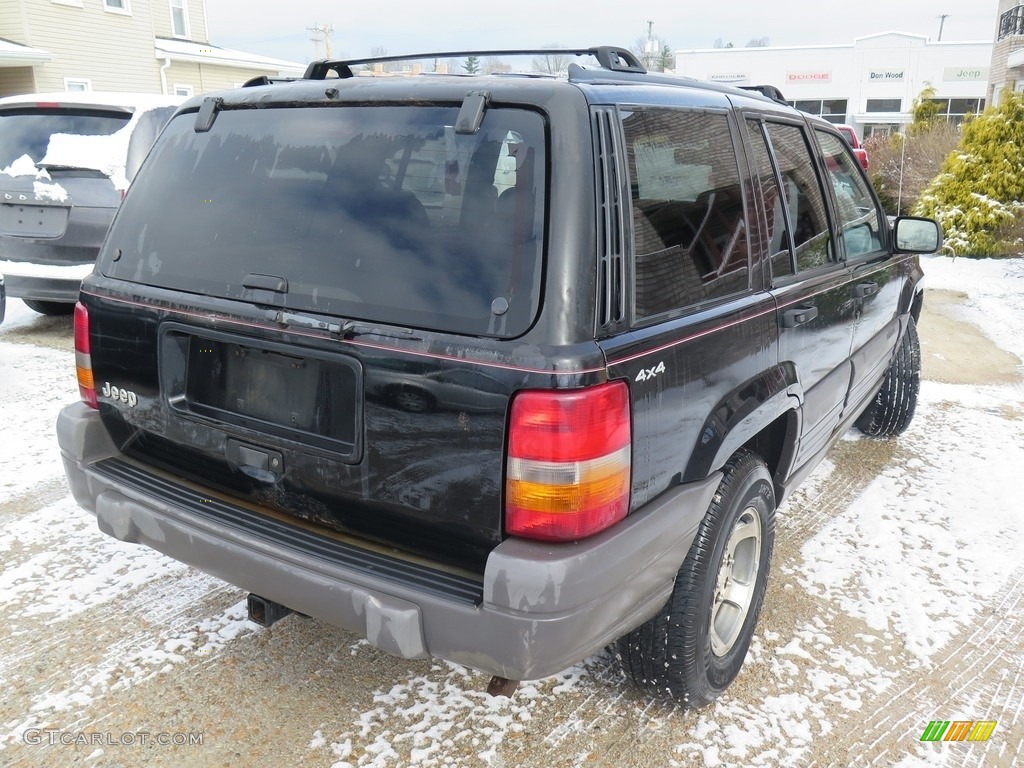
point(50, 307)
point(893, 407)
point(694, 648)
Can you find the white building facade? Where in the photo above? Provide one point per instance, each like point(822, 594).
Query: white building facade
point(870, 84)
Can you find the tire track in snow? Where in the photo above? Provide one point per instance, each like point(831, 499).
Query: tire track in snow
point(978, 676)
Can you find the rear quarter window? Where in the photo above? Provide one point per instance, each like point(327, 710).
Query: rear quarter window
point(689, 230)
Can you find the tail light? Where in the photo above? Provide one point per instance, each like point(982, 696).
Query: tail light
point(83, 357)
point(568, 462)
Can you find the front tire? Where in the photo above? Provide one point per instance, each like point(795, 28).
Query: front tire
point(893, 407)
point(694, 648)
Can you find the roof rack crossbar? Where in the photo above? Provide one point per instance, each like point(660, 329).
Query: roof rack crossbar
point(609, 57)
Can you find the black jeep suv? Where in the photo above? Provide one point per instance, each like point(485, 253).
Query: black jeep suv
point(496, 369)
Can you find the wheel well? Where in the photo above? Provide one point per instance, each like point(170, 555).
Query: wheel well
point(775, 444)
point(915, 307)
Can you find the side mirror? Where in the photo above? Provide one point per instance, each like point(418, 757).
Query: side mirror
point(912, 234)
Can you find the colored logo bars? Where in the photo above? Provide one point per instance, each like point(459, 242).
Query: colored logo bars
point(958, 730)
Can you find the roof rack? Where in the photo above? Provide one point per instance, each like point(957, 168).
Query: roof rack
point(252, 82)
point(609, 57)
point(770, 91)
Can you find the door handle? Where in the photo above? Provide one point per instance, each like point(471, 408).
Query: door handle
point(791, 318)
point(863, 290)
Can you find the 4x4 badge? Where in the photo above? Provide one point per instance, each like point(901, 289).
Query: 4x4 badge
point(124, 395)
point(646, 374)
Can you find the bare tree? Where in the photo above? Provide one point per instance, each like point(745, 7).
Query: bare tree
point(552, 64)
point(386, 66)
point(494, 64)
point(758, 42)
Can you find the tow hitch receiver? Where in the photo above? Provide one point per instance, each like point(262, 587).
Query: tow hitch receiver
point(500, 686)
point(265, 612)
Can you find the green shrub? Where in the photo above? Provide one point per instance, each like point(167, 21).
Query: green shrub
point(977, 195)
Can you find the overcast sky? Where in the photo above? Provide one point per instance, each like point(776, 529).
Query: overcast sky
point(400, 26)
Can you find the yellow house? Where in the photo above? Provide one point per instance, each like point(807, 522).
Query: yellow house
point(145, 46)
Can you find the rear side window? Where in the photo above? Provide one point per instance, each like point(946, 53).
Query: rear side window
point(689, 232)
point(27, 131)
point(777, 234)
point(380, 213)
point(805, 204)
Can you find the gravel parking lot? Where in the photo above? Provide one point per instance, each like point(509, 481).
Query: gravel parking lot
point(896, 599)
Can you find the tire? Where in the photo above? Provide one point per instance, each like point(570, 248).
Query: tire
point(892, 409)
point(412, 400)
point(50, 307)
point(694, 648)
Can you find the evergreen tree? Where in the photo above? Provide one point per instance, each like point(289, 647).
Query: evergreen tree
point(977, 196)
point(666, 59)
point(925, 111)
point(472, 65)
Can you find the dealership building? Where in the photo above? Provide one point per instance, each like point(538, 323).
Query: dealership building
point(870, 83)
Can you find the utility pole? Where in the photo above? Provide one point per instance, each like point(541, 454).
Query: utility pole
point(942, 22)
point(325, 29)
point(649, 51)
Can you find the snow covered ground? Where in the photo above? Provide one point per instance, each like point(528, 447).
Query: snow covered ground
point(896, 598)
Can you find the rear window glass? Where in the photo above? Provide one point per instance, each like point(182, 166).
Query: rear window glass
point(380, 213)
point(27, 131)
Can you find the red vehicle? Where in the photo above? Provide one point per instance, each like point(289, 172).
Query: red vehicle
point(858, 151)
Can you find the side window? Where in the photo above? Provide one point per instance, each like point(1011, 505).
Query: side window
point(777, 246)
point(689, 228)
point(805, 202)
point(855, 207)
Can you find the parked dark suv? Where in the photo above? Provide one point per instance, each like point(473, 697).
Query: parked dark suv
point(678, 295)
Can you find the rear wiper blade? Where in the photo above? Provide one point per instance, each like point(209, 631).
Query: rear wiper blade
point(346, 329)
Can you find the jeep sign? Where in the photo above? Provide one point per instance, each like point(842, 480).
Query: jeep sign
point(964, 74)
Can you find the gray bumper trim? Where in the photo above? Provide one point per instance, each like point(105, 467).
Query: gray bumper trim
point(545, 606)
point(37, 288)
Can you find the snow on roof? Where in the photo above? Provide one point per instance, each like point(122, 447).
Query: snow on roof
point(205, 53)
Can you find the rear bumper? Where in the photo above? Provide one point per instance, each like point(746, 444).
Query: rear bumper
point(45, 279)
point(538, 609)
